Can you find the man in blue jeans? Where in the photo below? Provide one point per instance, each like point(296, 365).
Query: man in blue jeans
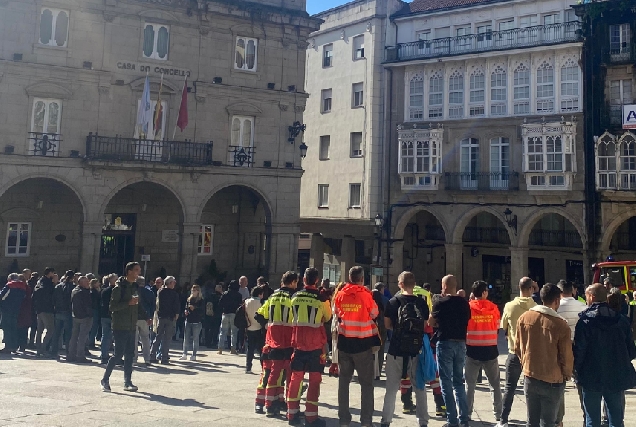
point(450, 316)
point(63, 315)
point(603, 351)
point(107, 331)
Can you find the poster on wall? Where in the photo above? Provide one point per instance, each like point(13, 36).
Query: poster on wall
point(170, 236)
point(629, 116)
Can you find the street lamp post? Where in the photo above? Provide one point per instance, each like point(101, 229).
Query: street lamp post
point(379, 222)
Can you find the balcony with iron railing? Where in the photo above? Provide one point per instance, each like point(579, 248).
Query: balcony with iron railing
point(239, 156)
point(620, 55)
point(44, 144)
point(624, 241)
point(117, 148)
point(496, 235)
point(558, 238)
point(481, 181)
point(541, 35)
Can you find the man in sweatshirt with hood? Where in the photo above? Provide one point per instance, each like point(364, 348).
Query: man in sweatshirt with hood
point(11, 297)
point(481, 347)
point(544, 347)
point(512, 311)
point(603, 354)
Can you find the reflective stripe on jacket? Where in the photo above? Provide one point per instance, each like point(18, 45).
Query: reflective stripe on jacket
point(277, 310)
point(356, 310)
point(309, 314)
point(483, 325)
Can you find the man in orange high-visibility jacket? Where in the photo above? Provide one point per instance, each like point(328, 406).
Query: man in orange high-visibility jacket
point(481, 347)
point(356, 310)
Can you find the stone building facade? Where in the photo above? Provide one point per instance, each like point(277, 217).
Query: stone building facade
point(486, 161)
point(79, 188)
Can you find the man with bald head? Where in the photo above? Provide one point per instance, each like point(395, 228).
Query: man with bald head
point(450, 316)
point(603, 354)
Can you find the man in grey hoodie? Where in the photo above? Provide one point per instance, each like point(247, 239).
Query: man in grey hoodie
point(82, 308)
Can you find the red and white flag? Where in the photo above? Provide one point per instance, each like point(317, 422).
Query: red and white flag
point(182, 120)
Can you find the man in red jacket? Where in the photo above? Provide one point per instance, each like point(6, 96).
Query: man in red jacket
point(481, 347)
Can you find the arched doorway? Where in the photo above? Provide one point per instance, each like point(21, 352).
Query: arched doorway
point(555, 250)
point(424, 249)
point(41, 225)
point(623, 243)
point(236, 239)
point(143, 219)
point(487, 255)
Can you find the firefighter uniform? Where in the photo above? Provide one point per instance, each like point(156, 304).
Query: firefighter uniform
point(310, 312)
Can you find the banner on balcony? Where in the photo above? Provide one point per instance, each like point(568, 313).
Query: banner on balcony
point(629, 116)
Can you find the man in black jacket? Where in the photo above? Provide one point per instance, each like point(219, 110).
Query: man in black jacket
point(144, 319)
point(82, 307)
point(229, 304)
point(45, 310)
point(168, 308)
point(107, 330)
point(63, 313)
point(603, 354)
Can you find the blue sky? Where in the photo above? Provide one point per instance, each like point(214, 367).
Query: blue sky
point(315, 6)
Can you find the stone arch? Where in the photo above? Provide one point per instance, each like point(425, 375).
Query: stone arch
point(531, 221)
point(608, 233)
point(269, 211)
point(64, 181)
point(407, 216)
point(462, 223)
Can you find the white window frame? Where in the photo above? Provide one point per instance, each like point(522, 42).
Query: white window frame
point(327, 55)
point(498, 92)
point(555, 32)
point(323, 195)
point(357, 95)
point(477, 96)
point(505, 39)
point(465, 42)
point(521, 83)
point(155, 53)
point(358, 47)
point(570, 87)
point(201, 246)
point(499, 162)
point(17, 247)
point(47, 106)
point(54, 15)
point(607, 165)
point(545, 82)
point(484, 35)
point(436, 89)
point(540, 151)
point(246, 41)
point(242, 120)
point(416, 97)
point(531, 25)
point(456, 89)
point(352, 152)
point(469, 164)
point(352, 202)
point(420, 158)
point(620, 43)
point(617, 102)
point(627, 161)
point(325, 145)
point(323, 100)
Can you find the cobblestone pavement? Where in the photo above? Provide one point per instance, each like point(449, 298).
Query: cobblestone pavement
point(212, 391)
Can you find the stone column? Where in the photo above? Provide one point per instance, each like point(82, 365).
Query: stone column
point(455, 262)
point(396, 265)
point(189, 248)
point(518, 268)
point(347, 256)
point(283, 251)
point(91, 243)
point(317, 252)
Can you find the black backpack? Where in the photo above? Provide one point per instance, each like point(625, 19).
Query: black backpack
point(240, 321)
point(410, 327)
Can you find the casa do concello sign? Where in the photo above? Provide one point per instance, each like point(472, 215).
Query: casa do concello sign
point(629, 116)
point(138, 67)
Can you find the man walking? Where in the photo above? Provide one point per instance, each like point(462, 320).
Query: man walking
point(512, 311)
point(357, 336)
point(406, 315)
point(544, 347)
point(451, 314)
point(82, 306)
point(168, 308)
point(107, 331)
point(481, 347)
point(603, 351)
point(124, 313)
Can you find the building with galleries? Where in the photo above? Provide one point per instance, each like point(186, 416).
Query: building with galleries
point(82, 187)
point(486, 163)
point(610, 100)
point(342, 184)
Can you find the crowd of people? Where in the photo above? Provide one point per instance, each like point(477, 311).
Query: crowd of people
point(443, 342)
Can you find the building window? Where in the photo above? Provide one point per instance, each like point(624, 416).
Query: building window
point(528, 36)
point(477, 94)
point(463, 40)
point(354, 195)
point(435, 96)
point(242, 131)
point(549, 152)
point(156, 41)
point(206, 235)
point(521, 90)
point(551, 29)
point(498, 92)
point(620, 38)
point(545, 88)
point(358, 47)
point(246, 54)
point(570, 87)
point(326, 100)
point(46, 116)
point(358, 94)
point(325, 142)
point(54, 27)
point(620, 94)
point(456, 95)
point(616, 162)
point(420, 157)
point(506, 35)
point(356, 144)
point(628, 161)
point(18, 239)
point(469, 166)
point(416, 97)
point(327, 55)
point(323, 195)
point(499, 162)
point(484, 35)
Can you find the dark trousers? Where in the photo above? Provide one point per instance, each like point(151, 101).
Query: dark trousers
point(513, 372)
point(10, 327)
point(363, 364)
point(63, 330)
point(255, 341)
point(613, 405)
point(543, 400)
point(124, 348)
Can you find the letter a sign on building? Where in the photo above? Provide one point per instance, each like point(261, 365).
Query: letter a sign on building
point(629, 116)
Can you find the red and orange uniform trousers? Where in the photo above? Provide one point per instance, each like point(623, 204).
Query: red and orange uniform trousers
point(312, 362)
point(279, 375)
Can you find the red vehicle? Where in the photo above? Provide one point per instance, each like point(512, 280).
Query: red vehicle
point(622, 273)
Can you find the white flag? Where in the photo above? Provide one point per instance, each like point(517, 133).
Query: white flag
point(144, 114)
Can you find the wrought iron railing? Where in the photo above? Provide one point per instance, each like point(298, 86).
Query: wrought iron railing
point(486, 235)
point(481, 181)
point(241, 156)
point(623, 241)
point(44, 144)
point(620, 55)
point(491, 41)
point(116, 148)
point(560, 238)
point(434, 232)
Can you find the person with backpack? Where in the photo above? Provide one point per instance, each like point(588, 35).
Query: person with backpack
point(229, 303)
point(212, 319)
point(481, 347)
point(406, 315)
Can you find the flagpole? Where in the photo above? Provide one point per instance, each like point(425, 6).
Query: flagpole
point(158, 110)
point(185, 80)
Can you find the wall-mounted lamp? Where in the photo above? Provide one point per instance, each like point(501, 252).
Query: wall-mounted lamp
point(40, 204)
point(144, 207)
point(303, 150)
point(511, 219)
point(295, 130)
